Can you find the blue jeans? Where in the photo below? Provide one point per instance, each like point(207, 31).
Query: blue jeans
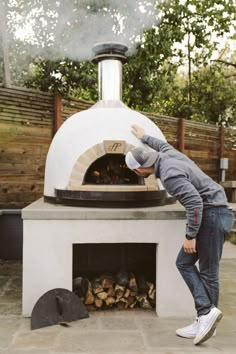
point(203, 281)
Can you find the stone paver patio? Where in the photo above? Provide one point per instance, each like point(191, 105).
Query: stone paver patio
point(126, 332)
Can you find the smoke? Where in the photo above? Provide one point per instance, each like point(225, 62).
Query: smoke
point(71, 27)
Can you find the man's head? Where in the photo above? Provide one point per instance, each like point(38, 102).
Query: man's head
point(140, 160)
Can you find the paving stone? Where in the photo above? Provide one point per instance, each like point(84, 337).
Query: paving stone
point(80, 325)
point(86, 324)
point(229, 311)
point(114, 332)
point(163, 324)
point(141, 313)
point(36, 339)
point(8, 327)
point(172, 351)
point(118, 323)
point(10, 268)
point(223, 342)
point(227, 327)
point(25, 324)
point(10, 309)
point(163, 339)
point(227, 269)
point(124, 313)
point(16, 283)
point(31, 351)
point(11, 296)
point(227, 286)
point(105, 341)
point(227, 298)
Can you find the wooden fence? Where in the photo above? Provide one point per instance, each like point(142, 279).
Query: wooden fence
point(29, 119)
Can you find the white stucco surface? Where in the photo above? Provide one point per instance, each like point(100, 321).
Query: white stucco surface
point(84, 130)
point(48, 245)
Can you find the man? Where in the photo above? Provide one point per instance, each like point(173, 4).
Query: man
point(209, 220)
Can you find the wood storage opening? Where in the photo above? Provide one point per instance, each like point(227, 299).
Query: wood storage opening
point(115, 276)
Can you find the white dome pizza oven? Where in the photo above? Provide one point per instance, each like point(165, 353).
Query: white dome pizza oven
point(85, 164)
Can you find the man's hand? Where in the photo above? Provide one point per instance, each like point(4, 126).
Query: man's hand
point(138, 131)
point(190, 246)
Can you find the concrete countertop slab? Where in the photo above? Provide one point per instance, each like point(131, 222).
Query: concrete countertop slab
point(41, 210)
point(46, 211)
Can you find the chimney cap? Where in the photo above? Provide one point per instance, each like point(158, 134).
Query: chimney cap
point(110, 50)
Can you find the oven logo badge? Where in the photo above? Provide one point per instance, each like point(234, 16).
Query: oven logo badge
point(114, 146)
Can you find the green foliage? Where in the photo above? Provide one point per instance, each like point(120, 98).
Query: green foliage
point(147, 70)
point(214, 97)
point(172, 98)
point(67, 77)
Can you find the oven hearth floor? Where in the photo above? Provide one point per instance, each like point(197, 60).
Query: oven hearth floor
point(116, 332)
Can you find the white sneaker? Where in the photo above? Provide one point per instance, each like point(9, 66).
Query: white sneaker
point(189, 331)
point(207, 325)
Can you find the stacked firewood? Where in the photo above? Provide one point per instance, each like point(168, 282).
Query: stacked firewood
point(122, 291)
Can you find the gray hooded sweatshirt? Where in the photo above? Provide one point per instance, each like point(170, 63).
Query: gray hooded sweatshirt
point(184, 180)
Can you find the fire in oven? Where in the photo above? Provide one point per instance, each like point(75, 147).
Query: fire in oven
point(111, 169)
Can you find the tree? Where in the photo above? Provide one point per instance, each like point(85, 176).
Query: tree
point(148, 70)
point(213, 97)
point(195, 23)
point(66, 76)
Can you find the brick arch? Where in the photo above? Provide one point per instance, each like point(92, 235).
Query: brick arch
point(85, 160)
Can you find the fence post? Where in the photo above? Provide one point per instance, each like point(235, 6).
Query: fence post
point(222, 141)
point(181, 134)
point(57, 115)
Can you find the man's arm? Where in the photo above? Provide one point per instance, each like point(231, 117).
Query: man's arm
point(154, 143)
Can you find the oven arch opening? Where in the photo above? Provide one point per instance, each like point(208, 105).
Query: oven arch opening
point(111, 169)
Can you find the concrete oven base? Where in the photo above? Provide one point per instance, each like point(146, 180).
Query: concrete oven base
point(49, 232)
